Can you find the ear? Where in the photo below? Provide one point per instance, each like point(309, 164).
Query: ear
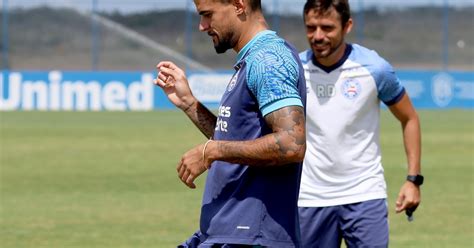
point(239, 6)
point(348, 26)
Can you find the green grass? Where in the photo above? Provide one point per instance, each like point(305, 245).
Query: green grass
point(108, 180)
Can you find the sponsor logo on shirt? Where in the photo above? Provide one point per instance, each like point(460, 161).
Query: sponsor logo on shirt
point(351, 89)
point(223, 115)
point(324, 90)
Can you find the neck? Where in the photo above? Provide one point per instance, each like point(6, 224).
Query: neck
point(255, 24)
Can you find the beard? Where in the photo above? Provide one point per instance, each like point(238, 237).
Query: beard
point(222, 44)
point(331, 49)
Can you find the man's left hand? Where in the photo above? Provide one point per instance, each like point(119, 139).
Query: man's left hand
point(408, 198)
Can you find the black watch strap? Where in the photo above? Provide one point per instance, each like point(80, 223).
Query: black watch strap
point(417, 179)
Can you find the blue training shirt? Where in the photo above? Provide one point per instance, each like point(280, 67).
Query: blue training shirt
point(255, 205)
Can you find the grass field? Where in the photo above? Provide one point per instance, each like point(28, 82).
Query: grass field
point(108, 180)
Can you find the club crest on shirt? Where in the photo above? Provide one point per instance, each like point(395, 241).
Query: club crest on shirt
point(233, 82)
point(351, 89)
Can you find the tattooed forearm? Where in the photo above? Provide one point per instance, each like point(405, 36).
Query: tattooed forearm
point(287, 143)
point(204, 119)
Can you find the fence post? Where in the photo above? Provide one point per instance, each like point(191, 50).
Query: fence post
point(276, 16)
point(445, 35)
point(6, 64)
point(361, 22)
point(95, 36)
point(188, 33)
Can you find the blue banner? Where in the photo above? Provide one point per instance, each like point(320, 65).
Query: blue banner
point(434, 89)
point(135, 91)
point(80, 91)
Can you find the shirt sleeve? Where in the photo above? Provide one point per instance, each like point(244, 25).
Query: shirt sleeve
point(272, 77)
point(389, 87)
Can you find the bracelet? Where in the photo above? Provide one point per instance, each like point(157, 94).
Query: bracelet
point(204, 152)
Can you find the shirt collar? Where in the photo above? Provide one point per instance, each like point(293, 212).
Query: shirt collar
point(250, 44)
point(331, 68)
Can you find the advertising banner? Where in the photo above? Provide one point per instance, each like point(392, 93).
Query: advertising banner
point(135, 91)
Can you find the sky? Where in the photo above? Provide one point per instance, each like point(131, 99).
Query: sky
point(283, 6)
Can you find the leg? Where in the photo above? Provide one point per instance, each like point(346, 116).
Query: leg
point(197, 241)
point(193, 241)
point(365, 224)
point(319, 227)
point(237, 246)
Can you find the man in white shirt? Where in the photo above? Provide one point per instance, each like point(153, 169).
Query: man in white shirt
point(343, 190)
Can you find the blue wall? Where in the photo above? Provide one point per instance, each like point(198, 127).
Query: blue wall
point(134, 91)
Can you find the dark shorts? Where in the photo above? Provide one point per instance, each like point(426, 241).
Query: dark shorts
point(196, 241)
point(362, 224)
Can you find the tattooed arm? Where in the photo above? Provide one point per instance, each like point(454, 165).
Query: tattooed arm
point(175, 85)
point(204, 119)
point(287, 143)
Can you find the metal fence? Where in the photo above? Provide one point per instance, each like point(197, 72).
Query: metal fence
point(130, 35)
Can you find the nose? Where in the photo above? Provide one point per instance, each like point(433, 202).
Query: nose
point(203, 25)
point(318, 35)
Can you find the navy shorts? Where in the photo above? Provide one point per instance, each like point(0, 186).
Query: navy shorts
point(196, 241)
point(362, 224)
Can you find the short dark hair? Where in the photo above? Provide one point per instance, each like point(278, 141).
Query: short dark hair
point(321, 6)
point(254, 4)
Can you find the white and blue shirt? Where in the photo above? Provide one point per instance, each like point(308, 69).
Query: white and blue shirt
point(343, 158)
point(255, 205)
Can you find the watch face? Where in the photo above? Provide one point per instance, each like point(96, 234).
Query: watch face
point(417, 180)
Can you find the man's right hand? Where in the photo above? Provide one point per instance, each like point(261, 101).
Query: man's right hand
point(174, 83)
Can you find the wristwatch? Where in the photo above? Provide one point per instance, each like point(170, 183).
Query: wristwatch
point(417, 180)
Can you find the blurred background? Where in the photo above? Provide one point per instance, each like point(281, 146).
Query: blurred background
point(136, 34)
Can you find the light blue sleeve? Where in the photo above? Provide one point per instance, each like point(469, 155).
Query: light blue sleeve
point(272, 76)
point(389, 87)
